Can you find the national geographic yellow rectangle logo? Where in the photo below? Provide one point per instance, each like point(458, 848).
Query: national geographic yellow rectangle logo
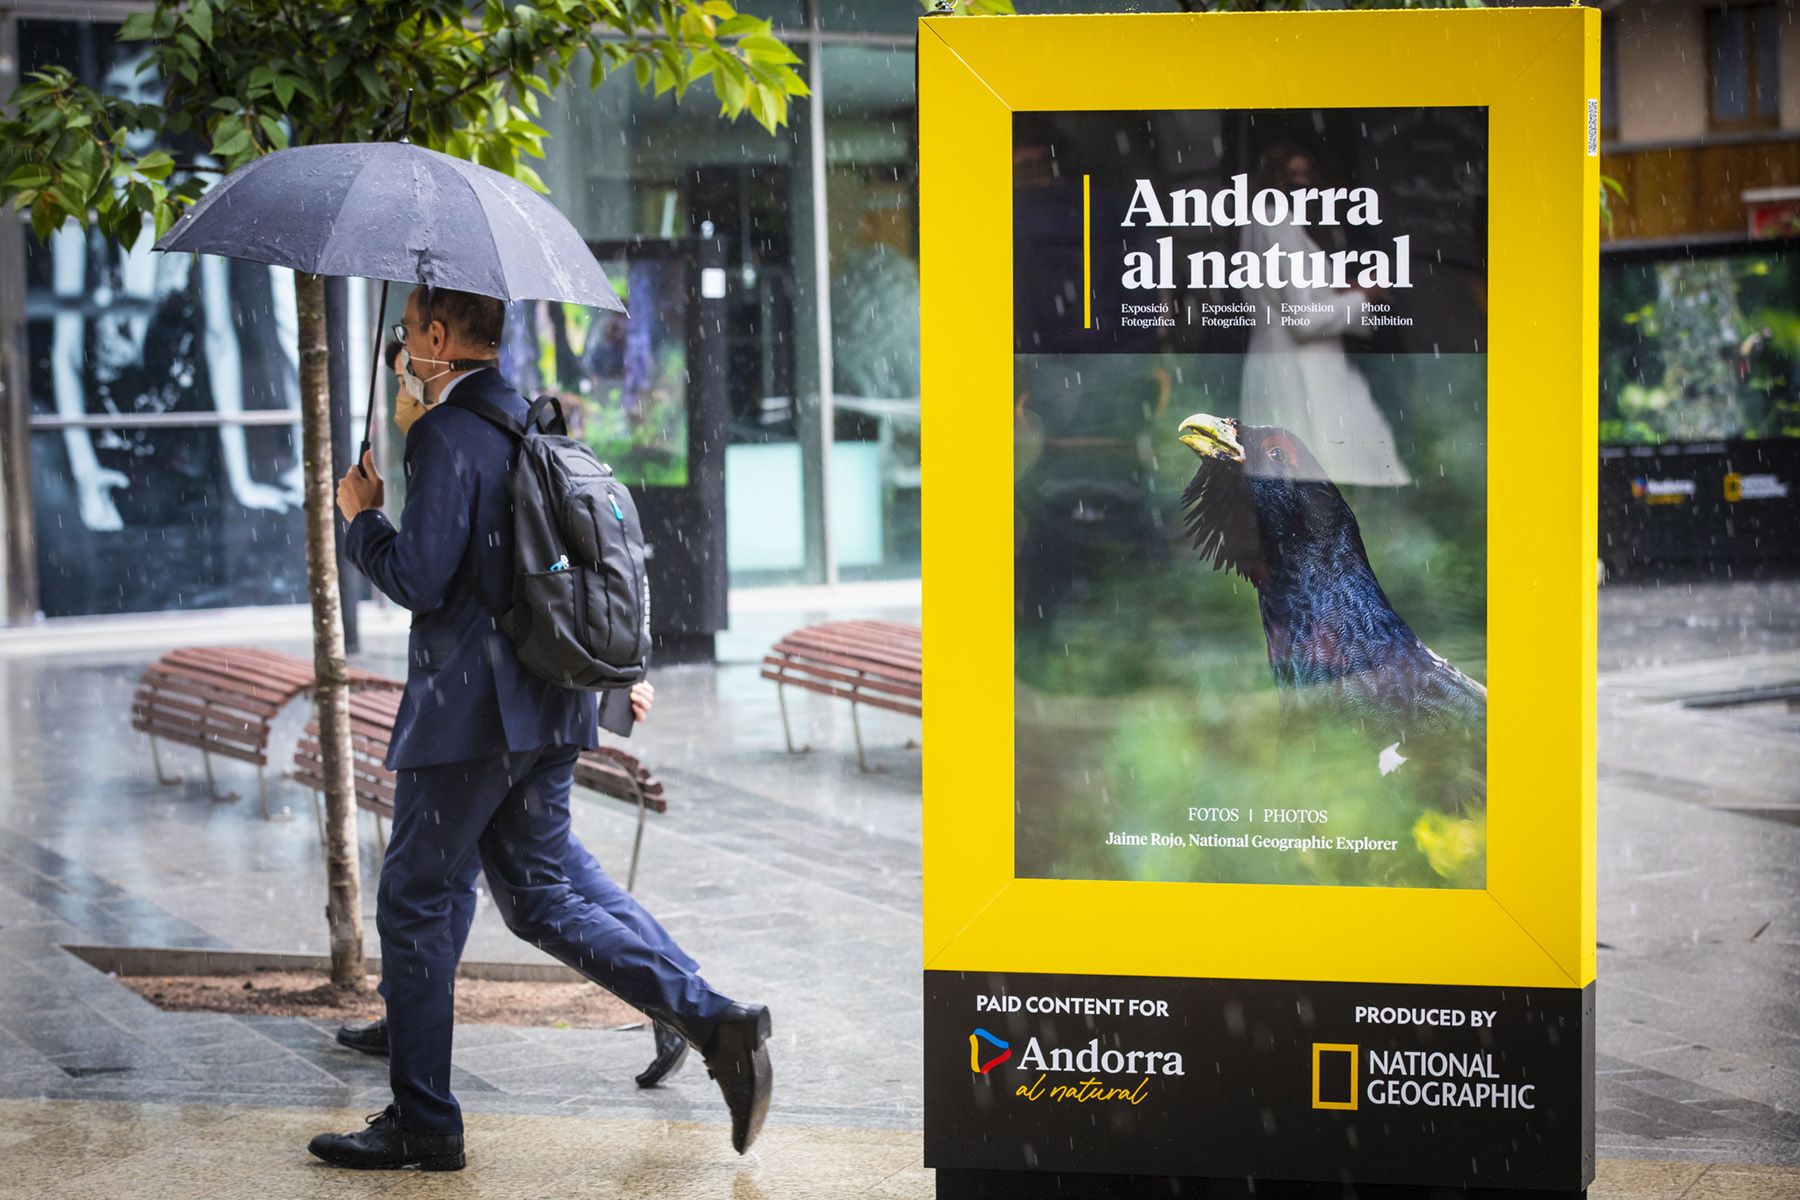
point(1334, 1075)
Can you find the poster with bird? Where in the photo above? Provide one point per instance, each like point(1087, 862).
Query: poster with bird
point(1250, 465)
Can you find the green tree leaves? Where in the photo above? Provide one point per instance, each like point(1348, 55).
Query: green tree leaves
point(200, 19)
point(250, 77)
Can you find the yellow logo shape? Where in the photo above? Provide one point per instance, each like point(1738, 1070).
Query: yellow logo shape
point(1320, 1048)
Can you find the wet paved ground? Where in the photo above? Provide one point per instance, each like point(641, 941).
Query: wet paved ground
point(104, 1151)
point(794, 879)
point(148, 1152)
point(1699, 1016)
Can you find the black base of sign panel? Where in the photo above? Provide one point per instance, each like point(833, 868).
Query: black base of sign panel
point(1038, 1185)
point(671, 649)
point(1096, 1085)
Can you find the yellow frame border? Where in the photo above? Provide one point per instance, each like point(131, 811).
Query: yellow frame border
point(1534, 70)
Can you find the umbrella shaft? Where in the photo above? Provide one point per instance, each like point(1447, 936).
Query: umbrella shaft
point(374, 373)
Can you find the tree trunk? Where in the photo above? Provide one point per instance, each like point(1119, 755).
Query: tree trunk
point(331, 696)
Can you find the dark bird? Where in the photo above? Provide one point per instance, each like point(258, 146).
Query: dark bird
point(1261, 505)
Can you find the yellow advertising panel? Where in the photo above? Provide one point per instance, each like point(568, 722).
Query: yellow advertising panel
point(1259, 568)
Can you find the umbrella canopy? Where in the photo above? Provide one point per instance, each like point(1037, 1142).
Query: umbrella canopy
point(395, 211)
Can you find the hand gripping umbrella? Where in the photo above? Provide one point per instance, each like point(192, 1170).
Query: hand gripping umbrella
point(395, 212)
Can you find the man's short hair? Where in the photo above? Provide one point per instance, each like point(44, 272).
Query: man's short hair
point(470, 318)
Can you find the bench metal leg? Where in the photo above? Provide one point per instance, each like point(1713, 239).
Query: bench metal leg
point(212, 786)
point(786, 732)
point(862, 759)
point(637, 843)
point(156, 758)
point(856, 726)
point(262, 788)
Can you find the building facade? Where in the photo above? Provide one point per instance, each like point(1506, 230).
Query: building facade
point(149, 408)
point(1700, 105)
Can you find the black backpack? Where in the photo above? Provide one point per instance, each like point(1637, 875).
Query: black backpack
point(580, 608)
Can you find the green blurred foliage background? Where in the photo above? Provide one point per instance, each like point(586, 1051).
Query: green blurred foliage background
point(645, 442)
point(1143, 685)
point(1700, 349)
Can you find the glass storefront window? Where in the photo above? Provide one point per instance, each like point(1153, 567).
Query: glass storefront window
point(184, 536)
point(623, 164)
point(870, 16)
point(872, 225)
point(163, 392)
point(143, 371)
point(789, 16)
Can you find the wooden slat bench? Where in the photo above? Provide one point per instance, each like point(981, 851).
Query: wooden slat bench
point(876, 663)
point(609, 771)
point(222, 700)
point(371, 725)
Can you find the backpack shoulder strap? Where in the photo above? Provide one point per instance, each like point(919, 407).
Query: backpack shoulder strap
point(487, 411)
point(544, 404)
point(494, 415)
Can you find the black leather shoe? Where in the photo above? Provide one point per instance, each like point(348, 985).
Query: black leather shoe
point(671, 1052)
point(370, 1038)
point(738, 1059)
point(384, 1146)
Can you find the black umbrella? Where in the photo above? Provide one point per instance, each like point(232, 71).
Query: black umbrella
point(395, 212)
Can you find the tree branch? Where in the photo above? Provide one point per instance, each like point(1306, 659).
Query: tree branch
point(288, 16)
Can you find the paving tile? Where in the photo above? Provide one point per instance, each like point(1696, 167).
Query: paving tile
point(260, 1152)
point(495, 1058)
point(1720, 1182)
point(908, 1183)
point(1628, 1179)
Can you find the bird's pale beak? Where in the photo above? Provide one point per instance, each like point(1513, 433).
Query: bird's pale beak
point(1211, 437)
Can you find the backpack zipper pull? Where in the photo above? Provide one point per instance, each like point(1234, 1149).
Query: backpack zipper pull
point(617, 511)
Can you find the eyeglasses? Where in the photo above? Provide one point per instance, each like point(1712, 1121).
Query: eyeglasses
point(399, 332)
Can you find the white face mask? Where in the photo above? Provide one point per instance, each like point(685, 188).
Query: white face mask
point(414, 385)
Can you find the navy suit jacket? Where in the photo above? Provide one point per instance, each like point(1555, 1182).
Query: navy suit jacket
point(467, 695)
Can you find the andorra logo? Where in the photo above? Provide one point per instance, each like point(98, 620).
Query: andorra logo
point(975, 1040)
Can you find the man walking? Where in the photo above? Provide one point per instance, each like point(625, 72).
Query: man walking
point(484, 754)
point(587, 877)
point(619, 712)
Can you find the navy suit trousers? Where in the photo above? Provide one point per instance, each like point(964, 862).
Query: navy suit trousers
point(588, 878)
point(510, 814)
